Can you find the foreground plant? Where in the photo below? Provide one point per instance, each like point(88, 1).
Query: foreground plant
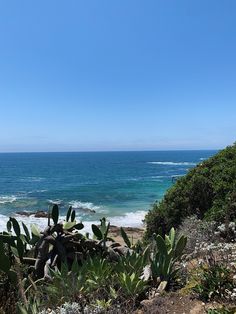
point(132, 285)
point(216, 282)
point(168, 251)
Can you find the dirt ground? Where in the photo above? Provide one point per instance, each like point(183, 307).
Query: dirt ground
point(134, 234)
point(174, 303)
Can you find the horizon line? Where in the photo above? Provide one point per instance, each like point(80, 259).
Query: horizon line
point(110, 151)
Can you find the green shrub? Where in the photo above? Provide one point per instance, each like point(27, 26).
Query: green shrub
point(215, 283)
point(207, 191)
point(222, 310)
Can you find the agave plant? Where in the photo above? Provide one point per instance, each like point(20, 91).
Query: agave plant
point(97, 271)
point(168, 251)
point(133, 262)
point(132, 285)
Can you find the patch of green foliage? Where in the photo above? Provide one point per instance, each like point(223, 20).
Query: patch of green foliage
point(207, 191)
point(222, 310)
point(215, 281)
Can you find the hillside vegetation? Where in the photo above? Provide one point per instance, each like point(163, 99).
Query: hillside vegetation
point(207, 191)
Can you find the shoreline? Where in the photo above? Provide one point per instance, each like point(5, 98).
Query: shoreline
point(133, 230)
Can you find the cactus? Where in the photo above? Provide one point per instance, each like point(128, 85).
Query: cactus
point(55, 214)
point(101, 232)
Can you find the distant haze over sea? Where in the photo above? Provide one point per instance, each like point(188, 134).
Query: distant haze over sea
point(118, 185)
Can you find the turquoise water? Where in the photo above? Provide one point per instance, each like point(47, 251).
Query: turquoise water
point(119, 185)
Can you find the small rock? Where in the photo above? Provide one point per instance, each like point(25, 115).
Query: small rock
point(41, 214)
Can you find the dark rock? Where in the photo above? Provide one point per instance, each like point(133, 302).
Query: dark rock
point(114, 244)
point(113, 256)
point(41, 214)
point(37, 214)
point(25, 213)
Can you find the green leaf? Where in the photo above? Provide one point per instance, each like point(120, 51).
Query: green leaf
point(79, 226)
point(34, 239)
point(7, 239)
point(64, 270)
point(69, 225)
point(103, 226)
point(161, 245)
point(9, 226)
point(73, 215)
point(125, 237)
point(55, 213)
point(16, 226)
point(35, 230)
point(68, 213)
point(97, 232)
point(180, 245)
point(26, 231)
point(20, 248)
point(107, 230)
point(172, 236)
point(75, 267)
point(14, 251)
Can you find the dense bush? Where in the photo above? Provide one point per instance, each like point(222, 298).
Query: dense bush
point(207, 191)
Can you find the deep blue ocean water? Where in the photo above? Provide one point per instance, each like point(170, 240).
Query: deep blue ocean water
point(118, 185)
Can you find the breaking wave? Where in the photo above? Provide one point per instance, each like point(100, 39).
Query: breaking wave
point(171, 163)
point(84, 206)
point(4, 199)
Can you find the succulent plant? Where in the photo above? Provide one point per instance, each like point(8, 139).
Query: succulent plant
point(168, 251)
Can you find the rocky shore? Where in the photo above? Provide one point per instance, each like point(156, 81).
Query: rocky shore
point(133, 233)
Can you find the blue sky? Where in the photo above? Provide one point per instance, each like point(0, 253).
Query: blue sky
point(117, 75)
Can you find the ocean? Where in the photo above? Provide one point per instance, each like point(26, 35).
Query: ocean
point(121, 186)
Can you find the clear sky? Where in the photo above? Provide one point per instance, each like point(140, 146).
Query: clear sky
point(117, 75)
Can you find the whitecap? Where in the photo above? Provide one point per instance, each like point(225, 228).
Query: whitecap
point(36, 191)
point(132, 219)
point(171, 163)
point(55, 202)
point(31, 179)
point(7, 199)
point(84, 206)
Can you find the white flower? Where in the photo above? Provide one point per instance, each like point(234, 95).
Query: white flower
point(232, 225)
point(222, 228)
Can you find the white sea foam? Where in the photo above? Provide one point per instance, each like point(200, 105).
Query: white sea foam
point(159, 177)
point(41, 222)
point(85, 206)
point(132, 219)
point(7, 199)
point(202, 158)
point(171, 163)
point(37, 191)
point(31, 179)
point(55, 202)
